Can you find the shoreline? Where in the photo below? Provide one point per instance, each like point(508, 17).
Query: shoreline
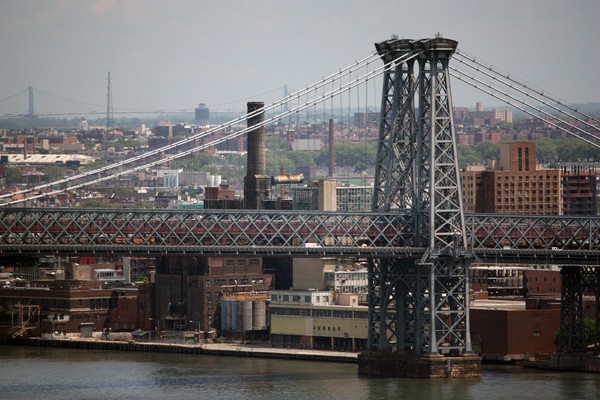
point(218, 349)
point(579, 363)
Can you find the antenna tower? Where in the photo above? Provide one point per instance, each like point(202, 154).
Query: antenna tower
point(110, 118)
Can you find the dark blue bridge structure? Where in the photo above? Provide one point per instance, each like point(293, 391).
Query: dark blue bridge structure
point(418, 241)
point(491, 237)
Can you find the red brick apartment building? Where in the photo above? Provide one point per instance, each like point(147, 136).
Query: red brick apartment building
point(514, 185)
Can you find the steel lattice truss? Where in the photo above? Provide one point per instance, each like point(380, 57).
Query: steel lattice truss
point(558, 239)
point(209, 231)
point(420, 304)
point(495, 237)
point(396, 186)
point(577, 281)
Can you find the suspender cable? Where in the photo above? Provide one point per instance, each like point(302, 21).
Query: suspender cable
point(268, 121)
point(295, 96)
point(493, 92)
point(524, 89)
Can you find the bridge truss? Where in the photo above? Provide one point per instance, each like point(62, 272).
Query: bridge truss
point(493, 238)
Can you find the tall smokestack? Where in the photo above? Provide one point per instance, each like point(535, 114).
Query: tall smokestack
point(256, 182)
point(256, 141)
point(331, 150)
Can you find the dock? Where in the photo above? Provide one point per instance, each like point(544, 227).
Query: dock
point(217, 349)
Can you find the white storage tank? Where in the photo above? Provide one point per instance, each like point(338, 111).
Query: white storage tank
point(247, 315)
point(259, 314)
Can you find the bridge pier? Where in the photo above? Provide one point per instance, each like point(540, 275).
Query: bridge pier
point(411, 365)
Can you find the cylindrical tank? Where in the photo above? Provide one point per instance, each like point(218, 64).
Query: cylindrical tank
point(259, 314)
point(247, 315)
point(229, 315)
point(287, 179)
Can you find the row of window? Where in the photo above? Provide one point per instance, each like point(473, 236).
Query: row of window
point(297, 299)
point(525, 178)
point(321, 313)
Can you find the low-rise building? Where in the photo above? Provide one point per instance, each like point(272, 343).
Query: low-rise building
point(310, 319)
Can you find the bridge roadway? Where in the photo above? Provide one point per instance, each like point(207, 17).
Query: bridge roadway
point(491, 237)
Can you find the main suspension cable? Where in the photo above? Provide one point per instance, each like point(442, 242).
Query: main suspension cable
point(456, 73)
point(524, 88)
point(294, 96)
point(322, 98)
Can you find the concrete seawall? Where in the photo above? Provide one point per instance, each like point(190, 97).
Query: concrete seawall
point(219, 349)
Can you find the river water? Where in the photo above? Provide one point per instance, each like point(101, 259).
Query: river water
point(44, 373)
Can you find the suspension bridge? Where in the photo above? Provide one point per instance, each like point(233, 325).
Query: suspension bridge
point(418, 240)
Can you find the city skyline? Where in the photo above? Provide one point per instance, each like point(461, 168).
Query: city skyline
point(174, 55)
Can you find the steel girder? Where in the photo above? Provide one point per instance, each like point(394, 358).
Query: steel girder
point(577, 282)
point(527, 232)
point(440, 200)
point(208, 231)
point(396, 186)
point(420, 304)
point(597, 316)
point(499, 238)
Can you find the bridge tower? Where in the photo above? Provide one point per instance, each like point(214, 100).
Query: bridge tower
point(419, 306)
point(31, 113)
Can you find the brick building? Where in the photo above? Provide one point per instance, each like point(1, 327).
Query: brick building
point(514, 185)
point(579, 190)
point(64, 306)
point(189, 289)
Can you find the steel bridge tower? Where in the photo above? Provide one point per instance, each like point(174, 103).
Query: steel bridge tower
point(419, 306)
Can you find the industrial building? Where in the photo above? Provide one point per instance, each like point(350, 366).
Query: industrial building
point(64, 305)
point(189, 290)
point(311, 319)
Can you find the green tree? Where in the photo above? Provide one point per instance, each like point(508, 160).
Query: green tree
point(589, 332)
point(274, 143)
point(95, 165)
point(89, 145)
point(348, 154)
point(546, 150)
point(467, 156)
point(13, 175)
point(488, 150)
point(55, 172)
point(94, 204)
point(276, 160)
point(361, 167)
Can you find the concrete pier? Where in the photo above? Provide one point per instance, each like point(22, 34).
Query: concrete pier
point(409, 365)
point(219, 349)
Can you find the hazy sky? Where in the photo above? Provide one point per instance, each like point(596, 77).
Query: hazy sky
point(175, 54)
